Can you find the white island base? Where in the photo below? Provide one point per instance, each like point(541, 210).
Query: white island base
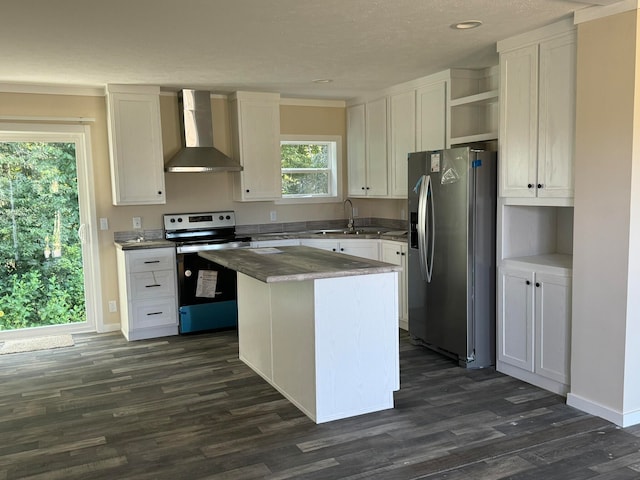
point(329, 345)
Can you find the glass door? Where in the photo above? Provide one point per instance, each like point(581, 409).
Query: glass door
point(45, 251)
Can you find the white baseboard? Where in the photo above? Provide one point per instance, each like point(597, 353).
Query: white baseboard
point(594, 408)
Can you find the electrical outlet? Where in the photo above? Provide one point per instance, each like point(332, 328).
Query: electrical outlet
point(403, 215)
point(104, 223)
point(113, 306)
point(137, 222)
point(273, 215)
point(355, 211)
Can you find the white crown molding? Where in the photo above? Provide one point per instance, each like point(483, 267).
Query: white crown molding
point(534, 36)
point(442, 76)
point(43, 89)
point(312, 102)
point(596, 12)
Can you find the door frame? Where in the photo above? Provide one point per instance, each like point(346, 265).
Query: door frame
point(80, 134)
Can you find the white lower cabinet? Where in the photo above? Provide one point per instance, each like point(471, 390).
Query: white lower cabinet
point(396, 253)
point(360, 248)
point(534, 326)
point(148, 292)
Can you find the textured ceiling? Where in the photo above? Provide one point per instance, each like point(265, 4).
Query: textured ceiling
point(263, 45)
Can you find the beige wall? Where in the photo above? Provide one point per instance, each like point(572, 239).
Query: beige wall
point(605, 292)
point(187, 191)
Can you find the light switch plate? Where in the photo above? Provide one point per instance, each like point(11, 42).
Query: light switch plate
point(113, 306)
point(104, 223)
point(273, 215)
point(137, 222)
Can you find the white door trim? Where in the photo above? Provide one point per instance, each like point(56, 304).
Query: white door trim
point(81, 136)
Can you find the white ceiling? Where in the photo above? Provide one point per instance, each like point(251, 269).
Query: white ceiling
point(261, 45)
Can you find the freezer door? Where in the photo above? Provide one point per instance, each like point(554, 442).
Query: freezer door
point(416, 285)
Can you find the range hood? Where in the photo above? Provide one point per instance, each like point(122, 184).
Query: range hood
point(196, 129)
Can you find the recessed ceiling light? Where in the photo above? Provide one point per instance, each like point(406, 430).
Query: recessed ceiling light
point(322, 80)
point(466, 25)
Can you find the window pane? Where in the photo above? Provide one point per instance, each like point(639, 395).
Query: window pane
point(307, 155)
point(316, 183)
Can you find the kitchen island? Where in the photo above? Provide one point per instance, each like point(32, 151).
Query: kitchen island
point(320, 327)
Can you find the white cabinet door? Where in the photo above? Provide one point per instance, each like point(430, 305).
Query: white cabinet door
point(515, 318)
point(135, 145)
point(431, 102)
point(376, 148)
point(557, 117)
point(255, 122)
point(402, 113)
point(553, 326)
point(360, 248)
point(322, 243)
point(357, 173)
point(519, 122)
point(396, 254)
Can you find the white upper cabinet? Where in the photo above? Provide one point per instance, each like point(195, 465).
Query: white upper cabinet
point(537, 118)
point(135, 145)
point(376, 148)
point(383, 131)
point(402, 116)
point(431, 113)
point(255, 126)
point(367, 172)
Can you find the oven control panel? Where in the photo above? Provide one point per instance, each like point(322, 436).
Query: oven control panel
point(199, 220)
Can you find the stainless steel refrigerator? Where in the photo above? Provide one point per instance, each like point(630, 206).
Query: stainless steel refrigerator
point(451, 265)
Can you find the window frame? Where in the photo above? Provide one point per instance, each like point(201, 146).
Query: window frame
point(335, 170)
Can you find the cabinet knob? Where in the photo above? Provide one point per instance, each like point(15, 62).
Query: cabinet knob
point(397, 253)
point(537, 284)
point(159, 192)
point(362, 188)
point(367, 188)
point(530, 185)
point(528, 282)
point(402, 253)
point(342, 249)
point(540, 185)
point(247, 190)
point(333, 249)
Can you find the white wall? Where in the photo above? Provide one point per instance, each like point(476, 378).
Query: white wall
point(605, 294)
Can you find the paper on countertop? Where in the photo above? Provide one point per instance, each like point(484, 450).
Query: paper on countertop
point(266, 250)
point(207, 281)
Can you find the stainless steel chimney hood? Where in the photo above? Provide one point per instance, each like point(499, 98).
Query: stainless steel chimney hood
point(196, 129)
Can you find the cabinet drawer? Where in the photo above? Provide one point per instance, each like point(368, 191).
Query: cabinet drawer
point(152, 284)
point(154, 313)
point(153, 259)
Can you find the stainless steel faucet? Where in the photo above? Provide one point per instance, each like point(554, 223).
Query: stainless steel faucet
point(350, 222)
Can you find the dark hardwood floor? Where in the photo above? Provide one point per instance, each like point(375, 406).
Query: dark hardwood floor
point(187, 408)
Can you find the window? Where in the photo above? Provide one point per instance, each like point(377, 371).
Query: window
point(310, 167)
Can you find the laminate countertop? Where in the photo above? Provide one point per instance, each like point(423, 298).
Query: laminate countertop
point(292, 264)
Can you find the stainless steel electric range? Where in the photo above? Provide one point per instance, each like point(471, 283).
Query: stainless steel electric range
point(206, 291)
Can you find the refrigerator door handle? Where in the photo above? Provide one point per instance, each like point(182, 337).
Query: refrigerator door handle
point(431, 229)
point(425, 186)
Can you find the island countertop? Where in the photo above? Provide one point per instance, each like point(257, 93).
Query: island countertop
point(293, 263)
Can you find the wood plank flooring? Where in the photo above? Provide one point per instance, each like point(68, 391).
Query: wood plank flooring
point(185, 407)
